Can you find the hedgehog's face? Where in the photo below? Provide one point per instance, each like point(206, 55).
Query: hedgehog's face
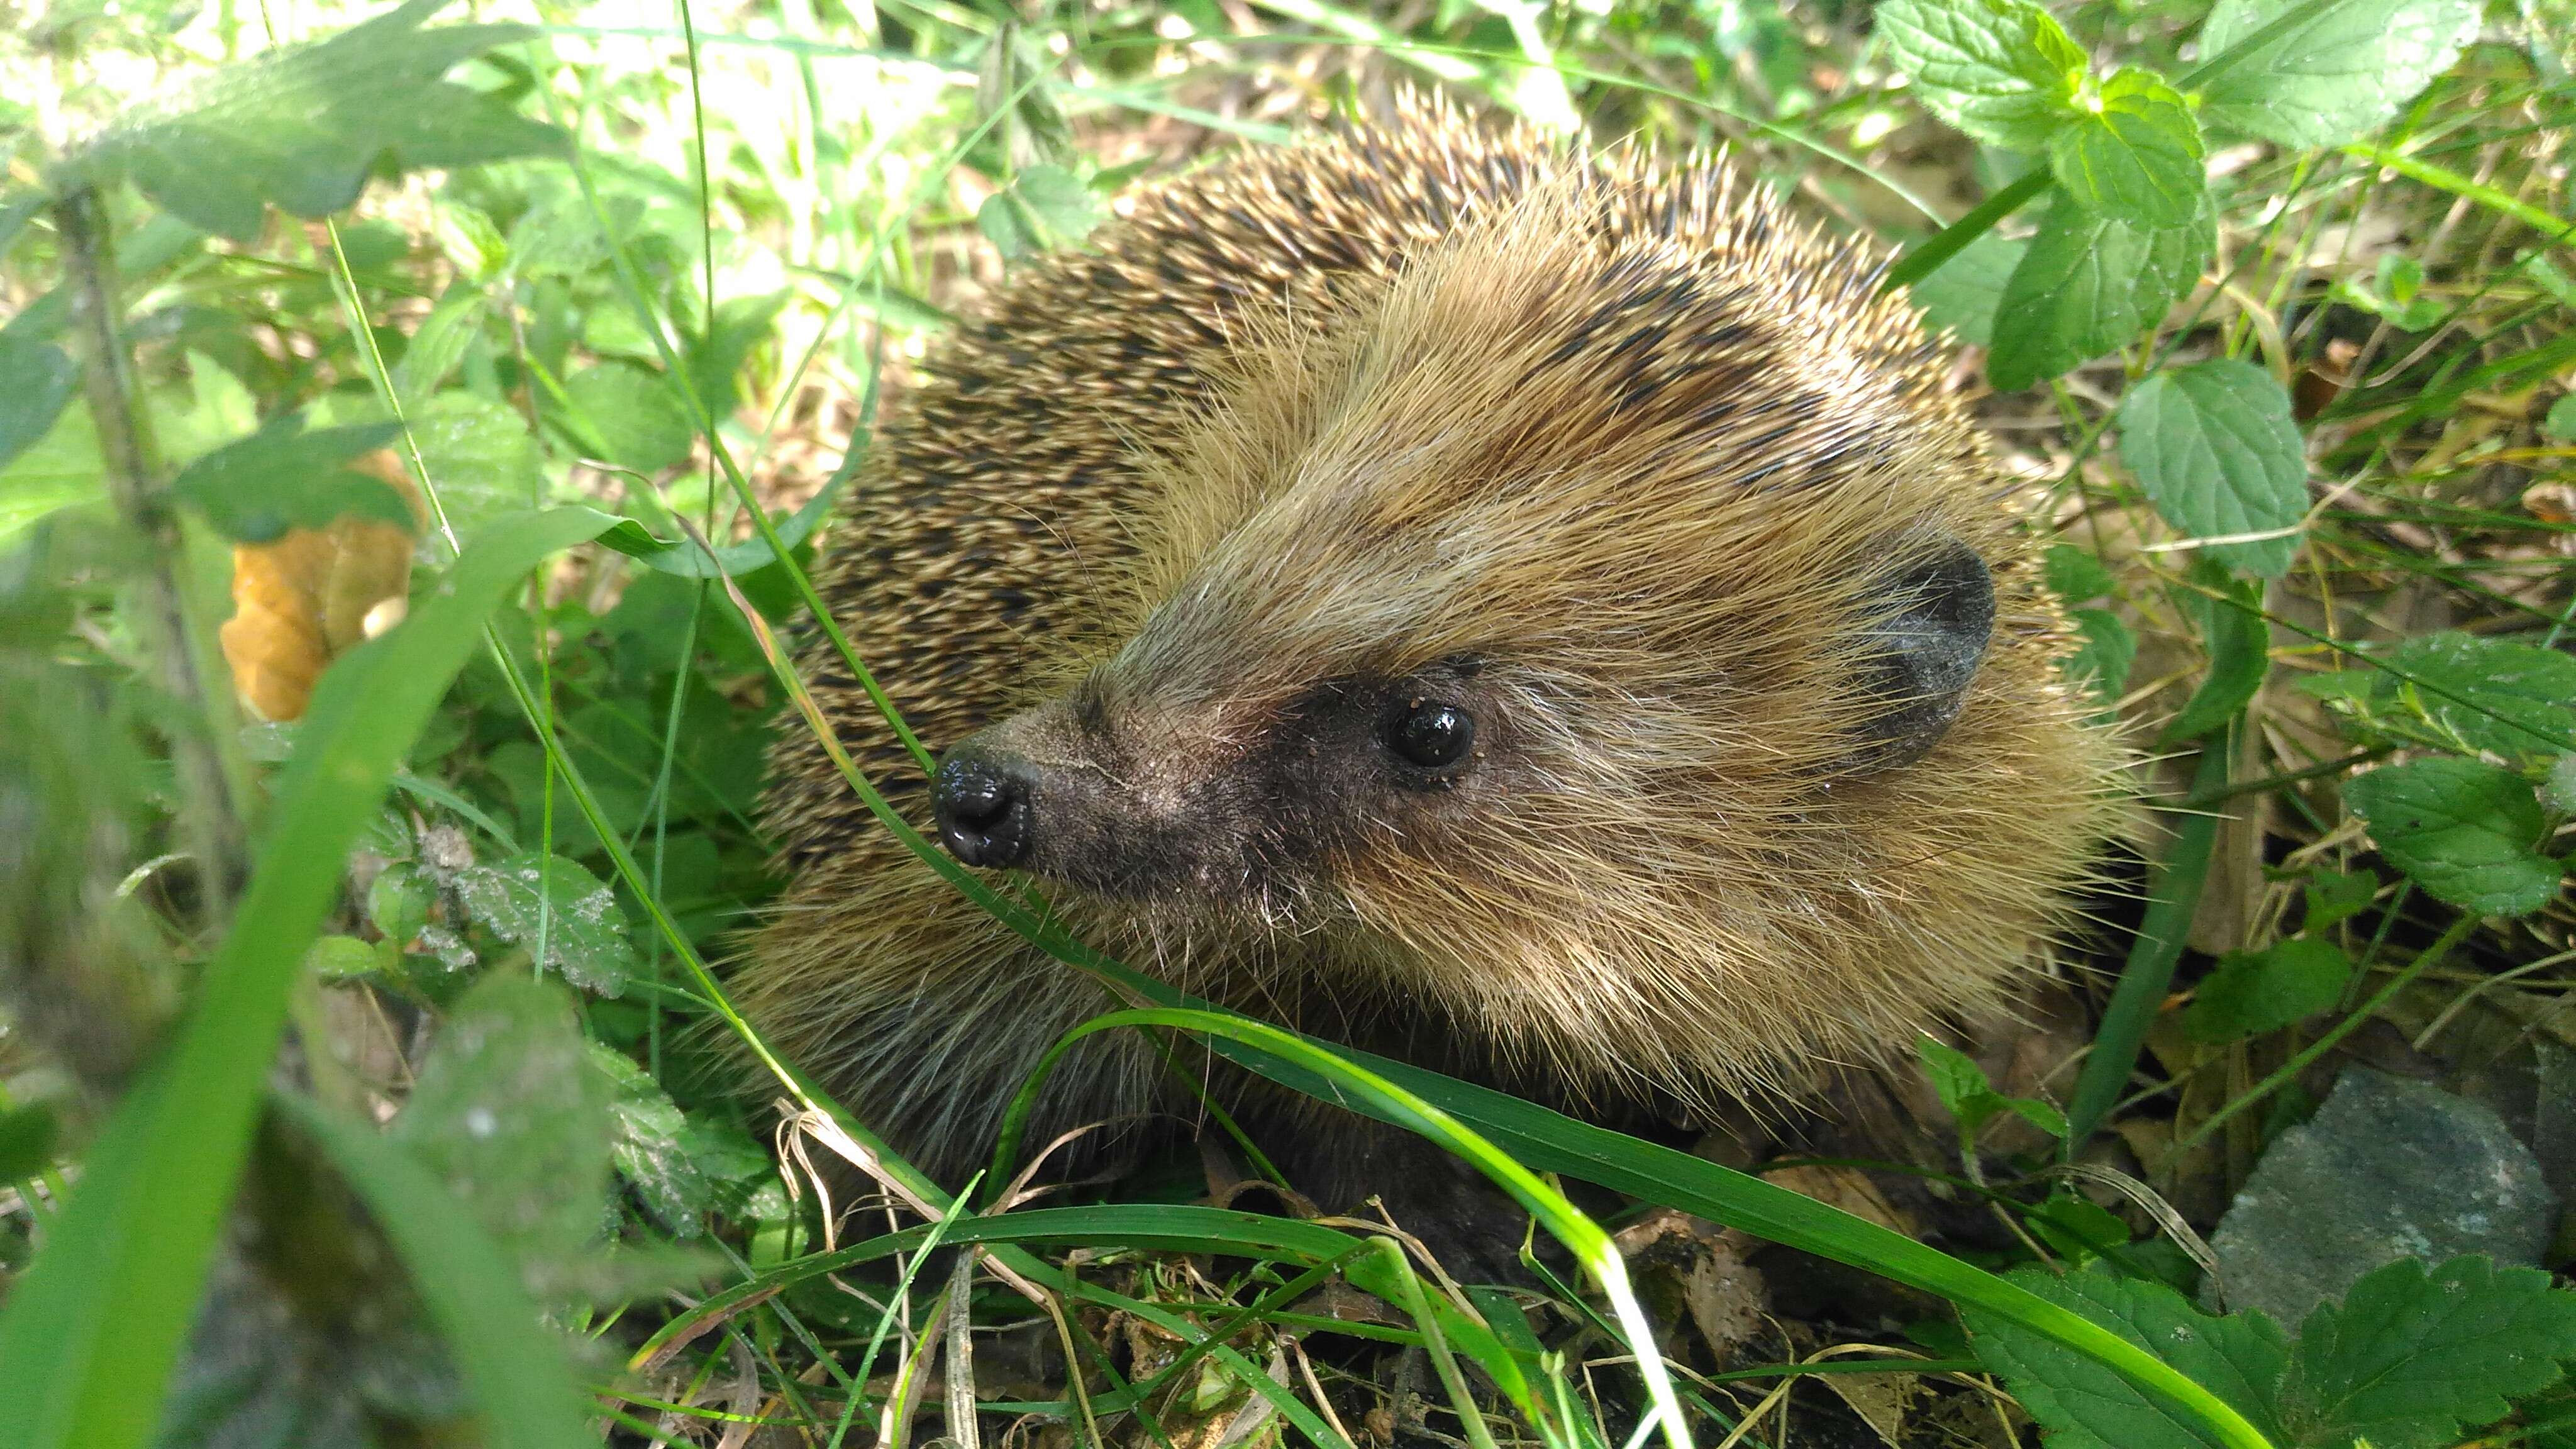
point(1559, 611)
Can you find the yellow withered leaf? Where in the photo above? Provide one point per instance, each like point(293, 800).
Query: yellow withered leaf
point(314, 594)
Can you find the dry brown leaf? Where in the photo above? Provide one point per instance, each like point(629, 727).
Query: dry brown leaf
point(1851, 1190)
point(1880, 1400)
point(315, 594)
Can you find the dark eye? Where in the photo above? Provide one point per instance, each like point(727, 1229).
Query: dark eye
point(1431, 735)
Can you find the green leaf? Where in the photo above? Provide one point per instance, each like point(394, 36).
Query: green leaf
point(517, 1371)
point(2465, 831)
point(2392, 294)
point(1972, 1099)
point(2337, 895)
point(283, 477)
point(89, 1332)
point(2411, 1357)
point(512, 1119)
point(2075, 575)
point(655, 1146)
point(2339, 74)
point(628, 415)
point(2239, 644)
point(2133, 151)
point(2253, 992)
point(2482, 696)
point(2558, 787)
point(2088, 284)
point(2560, 422)
point(338, 958)
point(27, 1136)
point(2001, 70)
point(2219, 454)
point(1962, 293)
point(2083, 1405)
point(35, 383)
point(303, 128)
point(437, 346)
point(2102, 660)
point(534, 900)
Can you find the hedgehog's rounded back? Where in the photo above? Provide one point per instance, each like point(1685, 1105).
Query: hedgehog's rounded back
point(1536, 614)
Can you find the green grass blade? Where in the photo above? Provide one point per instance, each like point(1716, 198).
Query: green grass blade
point(1351, 1082)
point(89, 1336)
point(515, 1368)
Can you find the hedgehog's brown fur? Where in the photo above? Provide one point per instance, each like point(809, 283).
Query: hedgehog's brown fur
point(1619, 429)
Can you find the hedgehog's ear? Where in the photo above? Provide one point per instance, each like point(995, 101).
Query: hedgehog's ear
point(1930, 619)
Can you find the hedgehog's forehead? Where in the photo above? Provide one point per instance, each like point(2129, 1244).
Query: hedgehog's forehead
point(1528, 432)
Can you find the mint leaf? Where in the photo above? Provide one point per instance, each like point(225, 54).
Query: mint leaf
point(2001, 70)
point(283, 477)
point(2481, 696)
point(303, 128)
point(2411, 1357)
point(2082, 1404)
point(1962, 293)
point(2132, 150)
point(2216, 448)
point(1972, 1099)
point(2253, 992)
point(2334, 76)
point(2074, 574)
point(2465, 831)
point(512, 1117)
point(2090, 283)
point(35, 383)
point(2336, 895)
point(529, 897)
point(2102, 660)
point(2239, 644)
point(629, 416)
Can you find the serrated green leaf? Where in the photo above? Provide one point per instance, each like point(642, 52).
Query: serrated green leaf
point(512, 1117)
point(485, 460)
point(2558, 788)
point(2090, 283)
point(2083, 1405)
point(2132, 150)
point(629, 416)
point(1962, 293)
point(2463, 830)
point(437, 346)
point(2239, 644)
point(303, 128)
point(650, 1144)
point(2336, 75)
point(2075, 575)
point(2102, 660)
point(2476, 695)
point(35, 383)
point(531, 900)
point(2216, 448)
point(2001, 70)
point(1972, 1099)
point(2337, 895)
point(2411, 1357)
point(2253, 992)
point(283, 477)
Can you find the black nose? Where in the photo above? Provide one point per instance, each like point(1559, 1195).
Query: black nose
point(983, 809)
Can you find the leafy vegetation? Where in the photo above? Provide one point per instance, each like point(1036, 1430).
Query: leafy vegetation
point(469, 397)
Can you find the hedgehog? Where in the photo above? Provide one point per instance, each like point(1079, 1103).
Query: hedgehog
point(1528, 610)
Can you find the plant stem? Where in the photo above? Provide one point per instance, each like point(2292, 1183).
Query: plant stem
point(2150, 967)
point(211, 812)
point(2441, 947)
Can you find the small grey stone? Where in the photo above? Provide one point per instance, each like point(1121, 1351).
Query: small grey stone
point(2387, 1169)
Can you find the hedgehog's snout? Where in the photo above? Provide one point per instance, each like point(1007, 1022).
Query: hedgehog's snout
point(981, 800)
